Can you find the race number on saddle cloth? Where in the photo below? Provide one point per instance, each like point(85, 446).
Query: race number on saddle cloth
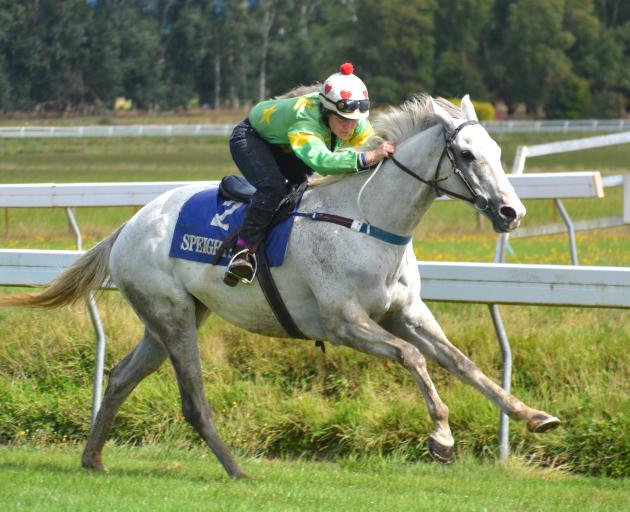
point(207, 219)
point(297, 125)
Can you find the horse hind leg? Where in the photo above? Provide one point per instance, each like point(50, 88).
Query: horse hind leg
point(143, 360)
point(174, 323)
point(184, 355)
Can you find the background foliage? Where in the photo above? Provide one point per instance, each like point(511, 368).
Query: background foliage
point(570, 58)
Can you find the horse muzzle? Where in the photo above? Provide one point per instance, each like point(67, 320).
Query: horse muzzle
point(506, 217)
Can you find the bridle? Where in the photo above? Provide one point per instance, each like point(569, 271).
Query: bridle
point(479, 201)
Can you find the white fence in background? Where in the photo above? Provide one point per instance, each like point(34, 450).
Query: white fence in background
point(68, 195)
point(149, 130)
point(192, 130)
point(566, 146)
point(558, 126)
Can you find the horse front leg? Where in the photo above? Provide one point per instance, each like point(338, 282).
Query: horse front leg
point(416, 324)
point(357, 330)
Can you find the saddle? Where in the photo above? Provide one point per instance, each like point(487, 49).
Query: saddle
point(236, 188)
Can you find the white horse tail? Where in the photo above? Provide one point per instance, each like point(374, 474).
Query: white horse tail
point(85, 275)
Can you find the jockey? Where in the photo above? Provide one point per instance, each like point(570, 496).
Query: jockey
point(283, 141)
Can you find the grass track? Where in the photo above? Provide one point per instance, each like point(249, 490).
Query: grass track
point(158, 479)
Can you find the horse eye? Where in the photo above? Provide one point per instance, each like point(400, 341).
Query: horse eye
point(467, 155)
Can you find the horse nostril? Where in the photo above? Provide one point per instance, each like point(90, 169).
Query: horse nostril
point(508, 213)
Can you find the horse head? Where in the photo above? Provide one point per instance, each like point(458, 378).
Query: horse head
point(471, 169)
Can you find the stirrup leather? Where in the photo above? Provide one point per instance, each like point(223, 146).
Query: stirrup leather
point(236, 279)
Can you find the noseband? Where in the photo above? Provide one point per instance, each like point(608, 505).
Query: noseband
point(479, 201)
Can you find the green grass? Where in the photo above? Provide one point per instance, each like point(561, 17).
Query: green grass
point(116, 159)
point(166, 479)
point(278, 398)
point(603, 247)
point(200, 116)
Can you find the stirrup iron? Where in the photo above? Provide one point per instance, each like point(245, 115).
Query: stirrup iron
point(232, 279)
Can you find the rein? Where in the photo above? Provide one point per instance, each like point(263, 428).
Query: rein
point(477, 200)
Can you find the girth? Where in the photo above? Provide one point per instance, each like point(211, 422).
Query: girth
point(274, 299)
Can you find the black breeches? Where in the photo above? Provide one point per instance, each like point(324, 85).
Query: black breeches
point(270, 170)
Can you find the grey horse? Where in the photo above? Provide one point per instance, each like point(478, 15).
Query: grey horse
point(339, 284)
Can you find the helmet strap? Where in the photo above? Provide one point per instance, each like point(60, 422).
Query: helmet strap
point(325, 113)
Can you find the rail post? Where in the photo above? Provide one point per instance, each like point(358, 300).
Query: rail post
point(99, 364)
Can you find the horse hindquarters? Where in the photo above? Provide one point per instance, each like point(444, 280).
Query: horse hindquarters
point(145, 275)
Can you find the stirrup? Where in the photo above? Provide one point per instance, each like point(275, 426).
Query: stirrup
point(231, 279)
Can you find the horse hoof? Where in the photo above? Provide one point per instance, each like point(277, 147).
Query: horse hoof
point(439, 452)
point(240, 475)
point(93, 464)
point(539, 423)
point(95, 467)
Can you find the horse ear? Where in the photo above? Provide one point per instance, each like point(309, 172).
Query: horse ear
point(469, 109)
point(446, 118)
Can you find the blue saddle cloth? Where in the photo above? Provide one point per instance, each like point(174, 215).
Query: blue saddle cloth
point(207, 219)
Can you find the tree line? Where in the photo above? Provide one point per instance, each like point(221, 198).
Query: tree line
point(561, 58)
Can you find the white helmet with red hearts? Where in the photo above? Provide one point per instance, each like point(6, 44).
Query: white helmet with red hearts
point(345, 94)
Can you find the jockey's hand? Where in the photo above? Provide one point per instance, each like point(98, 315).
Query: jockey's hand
point(385, 150)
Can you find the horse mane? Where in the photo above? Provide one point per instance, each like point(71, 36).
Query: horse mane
point(398, 124)
point(413, 116)
point(298, 91)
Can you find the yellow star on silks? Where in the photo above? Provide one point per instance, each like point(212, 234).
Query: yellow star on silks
point(302, 103)
point(266, 117)
point(298, 139)
point(362, 137)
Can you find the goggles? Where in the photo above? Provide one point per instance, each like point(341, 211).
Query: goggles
point(349, 106)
